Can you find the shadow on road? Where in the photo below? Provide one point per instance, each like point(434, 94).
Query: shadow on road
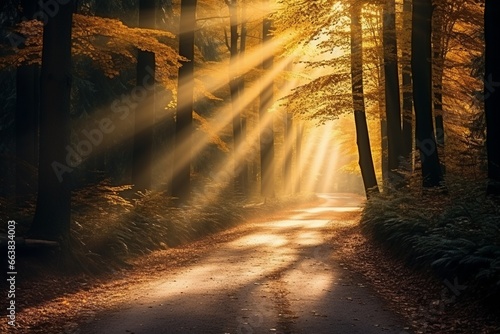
point(278, 277)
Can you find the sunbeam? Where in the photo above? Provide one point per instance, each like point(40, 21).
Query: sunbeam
point(318, 159)
point(330, 169)
point(224, 117)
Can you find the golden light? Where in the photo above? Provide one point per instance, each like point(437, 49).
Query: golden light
point(319, 155)
point(320, 140)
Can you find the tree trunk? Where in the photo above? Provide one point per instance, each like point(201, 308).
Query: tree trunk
point(385, 152)
point(492, 95)
point(437, 82)
point(392, 98)
point(422, 92)
point(383, 127)
point(266, 128)
point(52, 215)
point(407, 142)
point(145, 112)
point(26, 119)
point(234, 87)
point(244, 168)
point(363, 139)
point(181, 182)
point(241, 89)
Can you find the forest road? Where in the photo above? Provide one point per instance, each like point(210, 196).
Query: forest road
point(279, 277)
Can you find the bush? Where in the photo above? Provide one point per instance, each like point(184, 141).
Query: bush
point(107, 233)
point(455, 235)
point(112, 224)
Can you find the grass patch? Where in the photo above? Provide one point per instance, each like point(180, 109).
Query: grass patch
point(455, 235)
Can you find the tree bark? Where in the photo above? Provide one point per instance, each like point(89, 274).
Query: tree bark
point(145, 112)
point(407, 132)
point(492, 94)
point(392, 97)
point(438, 55)
point(181, 182)
point(383, 127)
point(52, 214)
point(363, 139)
point(422, 92)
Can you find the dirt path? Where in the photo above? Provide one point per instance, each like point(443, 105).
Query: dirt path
point(278, 276)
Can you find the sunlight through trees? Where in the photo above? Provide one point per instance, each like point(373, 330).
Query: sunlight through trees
point(208, 100)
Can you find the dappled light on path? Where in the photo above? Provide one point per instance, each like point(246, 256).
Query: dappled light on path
point(278, 276)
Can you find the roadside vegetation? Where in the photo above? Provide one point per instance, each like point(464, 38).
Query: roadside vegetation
point(112, 225)
point(455, 236)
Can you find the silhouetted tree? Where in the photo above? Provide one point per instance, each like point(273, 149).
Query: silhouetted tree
point(235, 91)
point(52, 215)
point(407, 110)
point(392, 97)
point(241, 89)
point(422, 92)
point(27, 107)
point(363, 139)
point(492, 95)
point(181, 179)
point(145, 111)
point(438, 68)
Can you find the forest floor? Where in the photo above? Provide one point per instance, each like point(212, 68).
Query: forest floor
point(302, 270)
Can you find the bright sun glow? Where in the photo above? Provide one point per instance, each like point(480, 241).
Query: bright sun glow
point(318, 166)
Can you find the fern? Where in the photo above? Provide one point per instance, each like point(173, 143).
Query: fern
point(454, 236)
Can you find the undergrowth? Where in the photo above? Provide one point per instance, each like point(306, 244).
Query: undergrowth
point(456, 234)
point(108, 234)
point(111, 225)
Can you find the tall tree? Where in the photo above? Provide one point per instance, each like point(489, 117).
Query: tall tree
point(241, 89)
point(492, 95)
point(145, 112)
point(377, 30)
point(52, 215)
point(392, 97)
point(407, 110)
point(438, 55)
point(234, 87)
point(244, 168)
point(181, 178)
point(363, 139)
point(383, 126)
point(422, 92)
point(27, 105)
point(266, 125)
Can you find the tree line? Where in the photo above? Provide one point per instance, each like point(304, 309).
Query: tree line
point(51, 92)
point(425, 69)
point(422, 61)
